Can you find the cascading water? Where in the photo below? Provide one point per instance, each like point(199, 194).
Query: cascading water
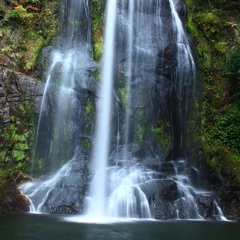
point(58, 121)
point(147, 74)
point(62, 124)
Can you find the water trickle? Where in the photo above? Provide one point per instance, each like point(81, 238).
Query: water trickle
point(129, 70)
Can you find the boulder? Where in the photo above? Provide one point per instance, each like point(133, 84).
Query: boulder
point(11, 199)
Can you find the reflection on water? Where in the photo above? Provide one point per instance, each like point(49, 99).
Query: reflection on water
point(34, 227)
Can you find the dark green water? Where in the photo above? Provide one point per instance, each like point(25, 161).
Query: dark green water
point(53, 227)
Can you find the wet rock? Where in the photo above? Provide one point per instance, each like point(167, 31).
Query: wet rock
point(193, 175)
point(16, 87)
point(168, 168)
point(65, 192)
point(169, 192)
point(205, 205)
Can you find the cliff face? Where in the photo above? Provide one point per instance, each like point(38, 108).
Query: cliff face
point(214, 27)
point(20, 99)
point(26, 27)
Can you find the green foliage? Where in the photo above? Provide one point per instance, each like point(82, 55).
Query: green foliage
point(232, 72)
point(219, 61)
point(89, 107)
point(4, 174)
point(226, 129)
point(18, 139)
point(20, 14)
point(232, 68)
point(31, 25)
point(209, 24)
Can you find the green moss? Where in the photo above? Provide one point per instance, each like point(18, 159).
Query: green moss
point(20, 15)
point(161, 134)
point(123, 96)
point(86, 144)
point(31, 25)
point(97, 14)
point(89, 108)
point(33, 45)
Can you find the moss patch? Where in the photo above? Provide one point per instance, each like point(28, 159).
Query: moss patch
point(97, 14)
point(27, 27)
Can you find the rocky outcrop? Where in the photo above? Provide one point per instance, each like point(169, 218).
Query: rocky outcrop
point(20, 99)
point(64, 192)
point(11, 199)
point(16, 87)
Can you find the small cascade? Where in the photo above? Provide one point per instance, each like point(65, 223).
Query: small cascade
point(62, 192)
point(39, 192)
point(126, 198)
point(218, 213)
point(184, 77)
point(58, 125)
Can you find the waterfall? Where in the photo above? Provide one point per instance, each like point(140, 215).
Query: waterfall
point(148, 67)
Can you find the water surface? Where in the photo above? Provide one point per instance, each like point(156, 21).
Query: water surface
point(46, 227)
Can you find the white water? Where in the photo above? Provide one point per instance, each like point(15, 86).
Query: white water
point(127, 199)
point(97, 205)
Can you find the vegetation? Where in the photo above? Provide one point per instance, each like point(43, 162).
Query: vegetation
point(212, 25)
point(97, 13)
point(17, 139)
point(161, 132)
point(26, 27)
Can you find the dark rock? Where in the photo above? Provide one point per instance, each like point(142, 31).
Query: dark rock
point(168, 168)
point(205, 205)
point(193, 175)
point(11, 199)
point(169, 193)
point(63, 193)
point(16, 87)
